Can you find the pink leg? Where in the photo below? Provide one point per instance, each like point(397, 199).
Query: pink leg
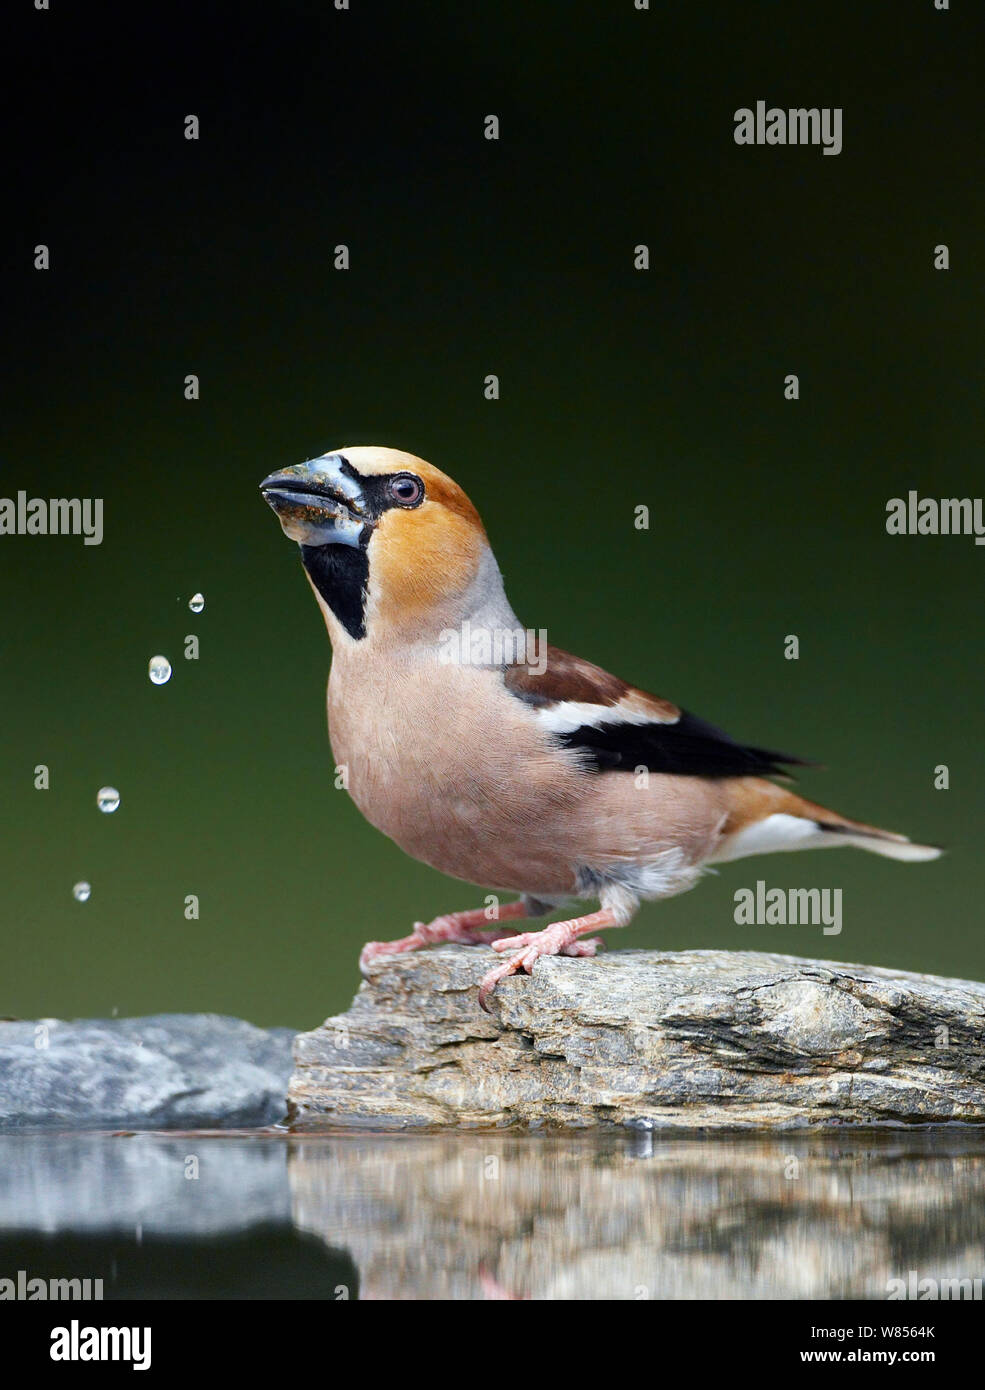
point(472, 928)
point(493, 1289)
point(560, 938)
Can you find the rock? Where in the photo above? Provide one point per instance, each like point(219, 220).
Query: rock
point(168, 1071)
point(692, 1039)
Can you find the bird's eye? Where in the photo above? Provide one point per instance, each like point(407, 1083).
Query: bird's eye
point(406, 490)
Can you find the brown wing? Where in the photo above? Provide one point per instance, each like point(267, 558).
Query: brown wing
point(615, 726)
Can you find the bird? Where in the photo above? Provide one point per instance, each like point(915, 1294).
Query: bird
point(499, 759)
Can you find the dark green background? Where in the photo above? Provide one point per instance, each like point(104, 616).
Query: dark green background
point(618, 388)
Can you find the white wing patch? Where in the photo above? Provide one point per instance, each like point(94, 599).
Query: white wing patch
point(568, 715)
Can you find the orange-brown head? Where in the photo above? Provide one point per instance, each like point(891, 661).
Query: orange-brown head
point(389, 542)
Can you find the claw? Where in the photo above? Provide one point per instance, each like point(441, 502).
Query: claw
point(468, 928)
point(535, 944)
point(582, 948)
point(559, 939)
point(372, 949)
point(492, 978)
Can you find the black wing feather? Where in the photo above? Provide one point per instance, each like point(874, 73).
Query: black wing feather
point(688, 747)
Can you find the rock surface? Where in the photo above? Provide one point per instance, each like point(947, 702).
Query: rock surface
point(644, 1038)
point(167, 1071)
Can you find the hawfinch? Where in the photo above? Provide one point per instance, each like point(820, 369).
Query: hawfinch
point(517, 768)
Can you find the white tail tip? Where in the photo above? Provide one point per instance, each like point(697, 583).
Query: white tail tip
point(903, 850)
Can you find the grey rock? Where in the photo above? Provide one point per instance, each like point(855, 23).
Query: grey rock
point(167, 1071)
point(648, 1039)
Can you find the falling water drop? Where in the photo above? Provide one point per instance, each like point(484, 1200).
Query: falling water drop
point(159, 670)
point(81, 892)
point(107, 799)
point(196, 603)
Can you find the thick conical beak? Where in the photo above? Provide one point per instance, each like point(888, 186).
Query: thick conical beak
point(319, 502)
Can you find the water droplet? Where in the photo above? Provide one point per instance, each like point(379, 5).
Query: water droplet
point(159, 670)
point(81, 892)
point(107, 799)
point(196, 603)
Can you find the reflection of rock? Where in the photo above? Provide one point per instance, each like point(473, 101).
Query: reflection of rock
point(452, 1215)
point(689, 1038)
point(742, 1216)
point(96, 1183)
point(166, 1071)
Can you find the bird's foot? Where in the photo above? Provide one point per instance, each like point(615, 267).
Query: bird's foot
point(559, 939)
point(534, 945)
point(469, 928)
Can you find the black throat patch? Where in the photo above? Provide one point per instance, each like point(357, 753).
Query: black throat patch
point(340, 573)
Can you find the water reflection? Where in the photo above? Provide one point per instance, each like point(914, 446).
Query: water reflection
point(745, 1217)
point(491, 1216)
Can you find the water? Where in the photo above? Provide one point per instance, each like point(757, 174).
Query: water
point(82, 892)
point(196, 603)
point(159, 670)
point(107, 799)
point(488, 1216)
